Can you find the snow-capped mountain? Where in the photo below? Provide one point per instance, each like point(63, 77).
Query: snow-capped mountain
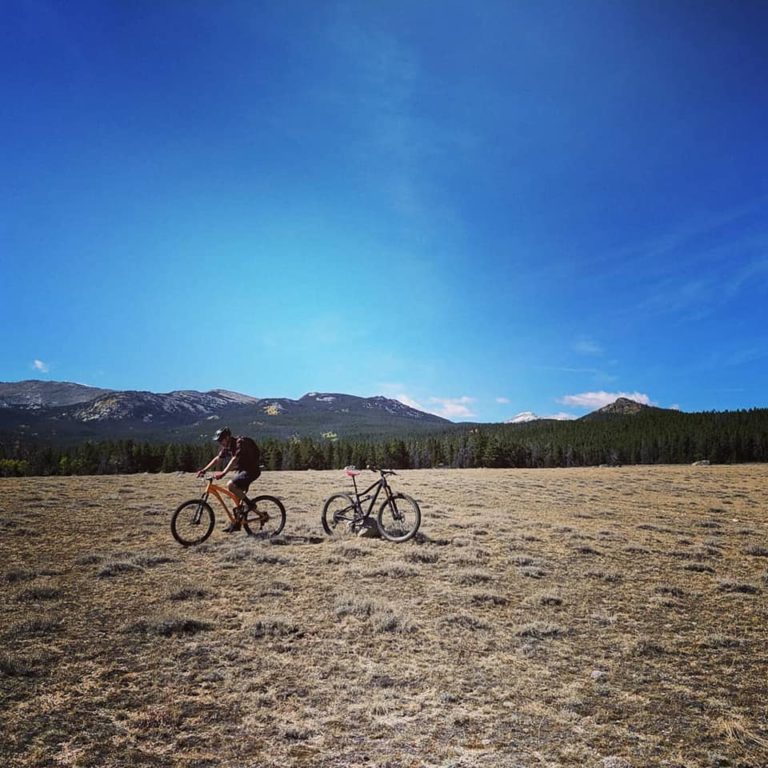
point(523, 417)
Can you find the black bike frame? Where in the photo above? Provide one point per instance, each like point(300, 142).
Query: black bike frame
point(360, 495)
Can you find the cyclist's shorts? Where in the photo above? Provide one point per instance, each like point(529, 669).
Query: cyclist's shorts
point(243, 479)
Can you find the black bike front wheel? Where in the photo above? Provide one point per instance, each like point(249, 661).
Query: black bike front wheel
point(339, 514)
point(399, 518)
point(192, 522)
point(266, 517)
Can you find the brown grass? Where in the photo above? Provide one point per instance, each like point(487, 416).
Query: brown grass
point(595, 617)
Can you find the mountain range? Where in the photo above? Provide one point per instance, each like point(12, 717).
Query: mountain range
point(63, 412)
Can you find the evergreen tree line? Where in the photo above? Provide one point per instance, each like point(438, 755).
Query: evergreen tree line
point(650, 437)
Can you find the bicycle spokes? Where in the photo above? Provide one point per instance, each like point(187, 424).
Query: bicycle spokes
point(265, 517)
point(341, 515)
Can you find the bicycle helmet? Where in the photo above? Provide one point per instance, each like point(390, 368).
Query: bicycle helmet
point(222, 433)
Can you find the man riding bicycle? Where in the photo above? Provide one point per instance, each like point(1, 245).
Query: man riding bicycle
point(241, 454)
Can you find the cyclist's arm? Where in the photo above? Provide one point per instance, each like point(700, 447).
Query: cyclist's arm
point(228, 467)
point(210, 464)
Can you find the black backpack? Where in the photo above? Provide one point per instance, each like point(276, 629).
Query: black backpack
point(250, 454)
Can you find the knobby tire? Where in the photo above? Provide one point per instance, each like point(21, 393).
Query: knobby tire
point(339, 514)
point(399, 518)
point(192, 522)
point(276, 522)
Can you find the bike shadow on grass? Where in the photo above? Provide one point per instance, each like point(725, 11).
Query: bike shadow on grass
point(289, 539)
point(419, 539)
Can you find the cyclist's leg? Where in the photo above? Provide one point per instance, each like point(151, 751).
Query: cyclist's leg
point(239, 485)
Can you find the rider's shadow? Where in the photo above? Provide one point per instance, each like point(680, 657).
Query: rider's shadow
point(290, 539)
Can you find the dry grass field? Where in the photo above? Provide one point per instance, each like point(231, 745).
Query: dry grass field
point(585, 617)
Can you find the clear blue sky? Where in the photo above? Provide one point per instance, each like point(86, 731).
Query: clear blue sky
point(479, 208)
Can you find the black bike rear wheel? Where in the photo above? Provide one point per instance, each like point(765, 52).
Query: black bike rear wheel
point(192, 522)
point(339, 516)
point(399, 518)
point(266, 518)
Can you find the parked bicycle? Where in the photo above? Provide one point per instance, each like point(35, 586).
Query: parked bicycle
point(192, 522)
point(398, 518)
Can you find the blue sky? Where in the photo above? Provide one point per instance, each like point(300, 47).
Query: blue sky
point(477, 208)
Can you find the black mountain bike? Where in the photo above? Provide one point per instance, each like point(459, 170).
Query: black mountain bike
point(397, 519)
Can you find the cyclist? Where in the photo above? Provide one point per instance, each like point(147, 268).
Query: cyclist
point(241, 454)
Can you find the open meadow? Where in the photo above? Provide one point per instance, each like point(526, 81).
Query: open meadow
point(607, 618)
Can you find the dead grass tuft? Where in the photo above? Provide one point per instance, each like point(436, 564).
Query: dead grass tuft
point(15, 666)
point(473, 577)
point(392, 571)
point(609, 577)
point(736, 728)
point(117, 568)
point(533, 572)
point(732, 586)
point(36, 594)
point(719, 641)
point(39, 626)
point(422, 556)
point(15, 576)
point(547, 598)
point(489, 598)
point(275, 627)
point(168, 626)
point(587, 551)
point(648, 646)
point(188, 593)
point(358, 606)
point(756, 551)
point(464, 621)
point(539, 630)
point(699, 568)
point(382, 617)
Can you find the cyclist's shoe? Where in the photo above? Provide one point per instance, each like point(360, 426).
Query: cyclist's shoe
point(232, 527)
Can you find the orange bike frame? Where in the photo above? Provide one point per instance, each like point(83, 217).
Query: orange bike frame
point(217, 491)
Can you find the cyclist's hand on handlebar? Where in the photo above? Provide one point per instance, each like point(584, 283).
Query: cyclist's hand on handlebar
point(200, 472)
point(218, 475)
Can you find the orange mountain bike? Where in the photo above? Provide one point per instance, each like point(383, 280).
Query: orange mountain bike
point(192, 522)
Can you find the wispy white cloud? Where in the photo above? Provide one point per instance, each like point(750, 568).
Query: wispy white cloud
point(600, 399)
point(703, 265)
point(392, 134)
point(744, 356)
point(447, 407)
point(502, 400)
point(585, 345)
point(453, 407)
point(40, 366)
point(598, 372)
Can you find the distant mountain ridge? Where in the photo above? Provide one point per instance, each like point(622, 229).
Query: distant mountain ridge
point(34, 393)
point(71, 412)
point(622, 406)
